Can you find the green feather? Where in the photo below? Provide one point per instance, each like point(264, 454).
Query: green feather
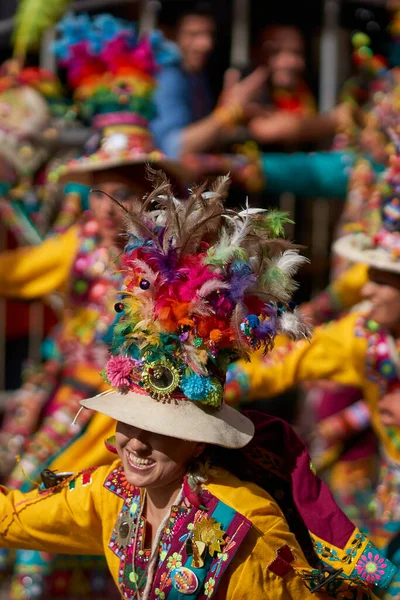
point(274, 223)
point(32, 18)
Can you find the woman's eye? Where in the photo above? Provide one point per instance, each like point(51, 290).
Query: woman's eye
point(123, 195)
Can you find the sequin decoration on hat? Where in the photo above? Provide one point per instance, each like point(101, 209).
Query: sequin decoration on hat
point(218, 285)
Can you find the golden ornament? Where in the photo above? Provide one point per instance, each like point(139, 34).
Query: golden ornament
point(210, 533)
point(160, 379)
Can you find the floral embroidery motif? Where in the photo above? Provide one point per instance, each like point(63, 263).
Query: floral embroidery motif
point(174, 561)
point(209, 587)
point(223, 556)
point(330, 554)
point(371, 567)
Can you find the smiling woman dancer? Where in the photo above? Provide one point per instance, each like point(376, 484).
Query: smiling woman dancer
point(201, 288)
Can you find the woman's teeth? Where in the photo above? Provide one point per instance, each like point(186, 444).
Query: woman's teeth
point(139, 463)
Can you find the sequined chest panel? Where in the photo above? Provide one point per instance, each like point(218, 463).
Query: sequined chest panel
point(181, 569)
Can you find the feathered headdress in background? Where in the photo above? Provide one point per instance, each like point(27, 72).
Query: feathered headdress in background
point(204, 286)
point(109, 68)
point(112, 72)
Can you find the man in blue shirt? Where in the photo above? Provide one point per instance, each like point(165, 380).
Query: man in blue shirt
point(186, 121)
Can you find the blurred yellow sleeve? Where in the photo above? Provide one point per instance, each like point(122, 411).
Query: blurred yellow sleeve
point(35, 271)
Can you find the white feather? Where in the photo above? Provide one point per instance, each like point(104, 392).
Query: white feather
point(148, 272)
point(211, 286)
point(293, 325)
point(289, 261)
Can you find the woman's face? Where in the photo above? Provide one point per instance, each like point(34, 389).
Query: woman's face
point(389, 409)
point(383, 292)
point(107, 213)
point(152, 460)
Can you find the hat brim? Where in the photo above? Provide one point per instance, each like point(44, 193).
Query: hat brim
point(184, 420)
point(83, 169)
point(346, 247)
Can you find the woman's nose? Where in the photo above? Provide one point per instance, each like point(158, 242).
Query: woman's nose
point(140, 443)
point(368, 289)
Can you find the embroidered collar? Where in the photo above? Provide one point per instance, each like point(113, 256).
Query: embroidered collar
point(382, 357)
point(178, 568)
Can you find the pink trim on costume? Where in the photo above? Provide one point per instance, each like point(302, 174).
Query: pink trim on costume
point(118, 118)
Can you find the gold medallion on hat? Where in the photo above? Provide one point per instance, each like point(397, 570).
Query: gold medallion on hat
point(160, 379)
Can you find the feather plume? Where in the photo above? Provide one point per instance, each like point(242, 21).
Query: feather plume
point(278, 284)
point(240, 285)
point(277, 277)
point(162, 187)
point(208, 224)
point(220, 186)
point(277, 245)
point(293, 325)
point(238, 316)
point(193, 361)
point(194, 205)
point(134, 223)
point(274, 224)
point(230, 242)
point(147, 271)
point(31, 20)
point(289, 262)
point(212, 286)
point(215, 281)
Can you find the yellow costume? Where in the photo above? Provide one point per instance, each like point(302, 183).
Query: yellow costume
point(87, 513)
point(340, 296)
point(34, 272)
point(342, 351)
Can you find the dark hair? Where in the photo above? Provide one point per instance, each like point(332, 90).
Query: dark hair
point(173, 14)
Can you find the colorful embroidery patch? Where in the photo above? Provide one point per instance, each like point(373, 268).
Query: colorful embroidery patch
point(374, 568)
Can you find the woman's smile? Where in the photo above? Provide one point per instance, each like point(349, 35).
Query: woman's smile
point(137, 463)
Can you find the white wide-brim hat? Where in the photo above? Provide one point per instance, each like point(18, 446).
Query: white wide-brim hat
point(80, 170)
point(182, 419)
point(351, 248)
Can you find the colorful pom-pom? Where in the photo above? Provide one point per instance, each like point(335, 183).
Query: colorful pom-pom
point(118, 371)
point(196, 387)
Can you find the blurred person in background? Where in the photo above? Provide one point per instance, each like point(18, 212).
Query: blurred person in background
point(281, 48)
point(188, 120)
point(195, 36)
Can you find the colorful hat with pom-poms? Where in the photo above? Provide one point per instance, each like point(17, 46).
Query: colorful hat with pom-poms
point(375, 239)
point(112, 72)
point(204, 285)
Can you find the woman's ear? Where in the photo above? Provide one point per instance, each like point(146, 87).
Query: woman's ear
point(198, 449)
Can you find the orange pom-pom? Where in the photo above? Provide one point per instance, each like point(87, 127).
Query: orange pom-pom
point(216, 335)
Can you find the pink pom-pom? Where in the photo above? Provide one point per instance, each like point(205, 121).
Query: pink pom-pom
point(118, 370)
